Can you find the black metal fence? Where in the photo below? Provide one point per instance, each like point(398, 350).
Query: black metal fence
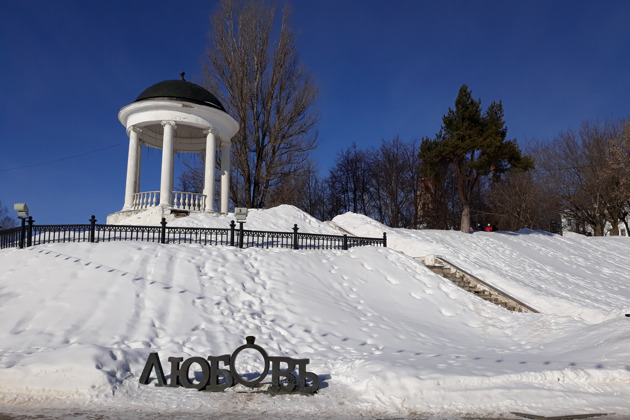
point(31, 234)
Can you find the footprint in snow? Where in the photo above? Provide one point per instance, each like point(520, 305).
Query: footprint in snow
point(392, 281)
point(446, 312)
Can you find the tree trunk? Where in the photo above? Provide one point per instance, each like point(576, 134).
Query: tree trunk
point(465, 223)
point(598, 228)
point(615, 227)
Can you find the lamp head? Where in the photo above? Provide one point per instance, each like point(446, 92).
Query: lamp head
point(21, 209)
point(240, 213)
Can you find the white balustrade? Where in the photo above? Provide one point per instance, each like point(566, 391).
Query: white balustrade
point(188, 201)
point(144, 200)
point(181, 200)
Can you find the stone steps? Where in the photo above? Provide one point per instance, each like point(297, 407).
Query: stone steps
point(474, 285)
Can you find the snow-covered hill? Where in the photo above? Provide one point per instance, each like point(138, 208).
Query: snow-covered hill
point(578, 276)
point(387, 337)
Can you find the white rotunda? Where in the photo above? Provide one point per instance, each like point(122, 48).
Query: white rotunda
point(175, 116)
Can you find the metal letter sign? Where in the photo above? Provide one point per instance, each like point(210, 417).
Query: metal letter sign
point(214, 378)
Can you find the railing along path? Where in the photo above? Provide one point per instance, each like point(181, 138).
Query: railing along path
point(31, 234)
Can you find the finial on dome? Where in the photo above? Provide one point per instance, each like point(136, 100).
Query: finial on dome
point(182, 74)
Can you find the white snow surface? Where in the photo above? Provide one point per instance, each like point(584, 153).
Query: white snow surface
point(387, 337)
point(277, 219)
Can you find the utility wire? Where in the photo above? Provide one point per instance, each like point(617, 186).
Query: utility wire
point(61, 159)
point(572, 168)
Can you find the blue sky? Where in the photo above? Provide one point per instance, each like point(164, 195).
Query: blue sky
point(383, 68)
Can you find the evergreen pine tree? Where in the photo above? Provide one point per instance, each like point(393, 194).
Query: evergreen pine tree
point(475, 144)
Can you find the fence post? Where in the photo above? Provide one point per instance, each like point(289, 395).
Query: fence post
point(163, 231)
point(241, 235)
point(232, 226)
point(22, 232)
point(29, 231)
point(92, 228)
point(295, 237)
point(385, 239)
point(345, 242)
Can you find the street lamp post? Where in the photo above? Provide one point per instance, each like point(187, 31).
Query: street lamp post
point(22, 211)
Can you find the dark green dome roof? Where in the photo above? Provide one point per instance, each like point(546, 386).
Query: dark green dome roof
point(181, 90)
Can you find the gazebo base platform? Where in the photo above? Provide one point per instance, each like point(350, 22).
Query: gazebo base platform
point(147, 217)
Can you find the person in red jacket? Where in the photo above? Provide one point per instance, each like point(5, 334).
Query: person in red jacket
point(489, 228)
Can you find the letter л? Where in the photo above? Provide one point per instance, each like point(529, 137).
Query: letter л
point(153, 362)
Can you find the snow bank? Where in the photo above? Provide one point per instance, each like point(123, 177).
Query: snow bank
point(387, 337)
point(280, 219)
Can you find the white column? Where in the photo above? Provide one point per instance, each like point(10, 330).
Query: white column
point(208, 179)
point(138, 168)
point(172, 180)
point(166, 180)
point(225, 174)
point(131, 185)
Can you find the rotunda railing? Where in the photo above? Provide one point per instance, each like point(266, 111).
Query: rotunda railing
point(182, 200)
point(189, 201)
point(144, 200)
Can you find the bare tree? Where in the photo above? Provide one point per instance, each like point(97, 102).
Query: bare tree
point(394, 183)
point(521, 200)
point(597, 141)
point(617, 172)
point(438, 203)
point(315, 199)
point(6, 221)
point(588, 170)
point(252, 67)
point(382, 183)
point(348, 182)
point(563, 163)
point(191, 178)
